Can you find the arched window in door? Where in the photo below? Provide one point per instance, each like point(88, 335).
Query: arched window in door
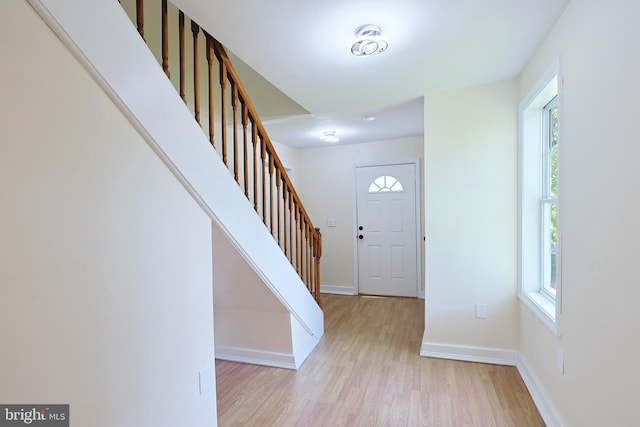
point(385, 183)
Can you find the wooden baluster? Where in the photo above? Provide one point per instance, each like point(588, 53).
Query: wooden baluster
point(305, 246)
point(299, 241)
point(314, 284)
point(263, 169)
point(182, 64)
point(287, 213)
point(291, 227)
point(211, 91)
point(312, 277)
point(165, 39)
point(278, 198)
point(195, 29)
point(284, 218)
point(294, 237)
point(305, 252)
point(234, 105)
point(254, 141)
point(317, 256)
point(271, 217)
point(140, 17)
point(295, 241)
point(294, 234)
point(307, 261)
point(300, 231)
point(245, 148)
point(223, 109)
point(313, 270)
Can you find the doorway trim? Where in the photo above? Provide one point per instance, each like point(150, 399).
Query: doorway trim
point(418, 188)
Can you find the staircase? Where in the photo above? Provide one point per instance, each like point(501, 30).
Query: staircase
point(266, 250)
point(202, 73)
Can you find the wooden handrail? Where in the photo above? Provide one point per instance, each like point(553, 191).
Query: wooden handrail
point(255, 165)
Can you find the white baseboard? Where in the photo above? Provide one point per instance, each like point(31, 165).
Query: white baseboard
point(337, 289)
point(545, 405)
point(256, 357)
point(540, 398)
point(348, 290)
point(466, 353)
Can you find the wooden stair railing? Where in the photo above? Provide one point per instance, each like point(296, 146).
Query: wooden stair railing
point(252, 159)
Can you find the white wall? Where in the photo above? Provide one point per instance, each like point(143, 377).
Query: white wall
point(242, 302)
point(599, 210)
point(325, 183)
point(289, 158)
point(470, 199)
point(105, 260)
point(251, 324)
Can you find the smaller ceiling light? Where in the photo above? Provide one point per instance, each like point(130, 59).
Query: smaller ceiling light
point(369, 118)
point(369, 41)
point(329, 136)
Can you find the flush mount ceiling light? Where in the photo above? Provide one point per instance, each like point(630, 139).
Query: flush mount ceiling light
point(369, 41)
point(329, 136)
point(369, 118)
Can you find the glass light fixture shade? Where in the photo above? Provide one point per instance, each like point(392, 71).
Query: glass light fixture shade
point(329, 136)
point(369, 41)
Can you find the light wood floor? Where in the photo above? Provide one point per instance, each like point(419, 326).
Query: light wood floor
point(367, 371)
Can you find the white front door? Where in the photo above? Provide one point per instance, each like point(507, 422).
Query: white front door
point(387, 229)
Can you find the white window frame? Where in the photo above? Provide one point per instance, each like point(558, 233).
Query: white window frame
point(547, 200)
point(532, 125)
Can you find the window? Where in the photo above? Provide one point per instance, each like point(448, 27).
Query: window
point(549, 199)
point(385, 183)
point(539, 123)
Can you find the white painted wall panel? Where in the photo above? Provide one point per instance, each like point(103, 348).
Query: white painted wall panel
point(470, 203)
point(105, 260)
point(599, 211)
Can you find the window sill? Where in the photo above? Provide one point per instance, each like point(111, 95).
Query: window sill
point(543, 307)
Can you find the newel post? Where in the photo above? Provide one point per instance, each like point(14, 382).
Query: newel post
point(317, 253)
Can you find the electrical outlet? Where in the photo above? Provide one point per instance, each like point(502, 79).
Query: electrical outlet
point(481, 311)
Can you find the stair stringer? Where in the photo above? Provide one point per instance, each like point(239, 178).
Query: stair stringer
point(102, 38)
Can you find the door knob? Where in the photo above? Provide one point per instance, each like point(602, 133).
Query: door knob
point(360, 237)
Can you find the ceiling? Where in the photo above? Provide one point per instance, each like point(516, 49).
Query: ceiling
point(308, 81)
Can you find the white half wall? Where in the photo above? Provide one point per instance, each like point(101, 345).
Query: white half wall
point(470, 210)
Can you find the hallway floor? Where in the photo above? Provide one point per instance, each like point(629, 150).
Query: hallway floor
point(367, 371)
